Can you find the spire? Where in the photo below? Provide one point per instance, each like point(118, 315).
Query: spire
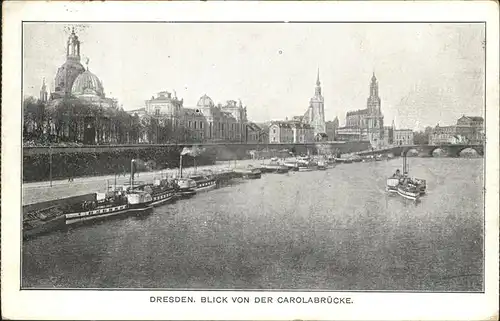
point(43, 91)
point(318, 86)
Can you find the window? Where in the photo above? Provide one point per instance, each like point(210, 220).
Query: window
point(189, 124)
point(274, 131)
point(201, 125)
point(195, 124)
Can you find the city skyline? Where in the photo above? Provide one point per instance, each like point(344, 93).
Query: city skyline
point(269, 81)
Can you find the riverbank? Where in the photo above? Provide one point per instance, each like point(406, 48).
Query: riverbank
point(34, 192)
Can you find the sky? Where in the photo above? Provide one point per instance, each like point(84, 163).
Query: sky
point(427, 73)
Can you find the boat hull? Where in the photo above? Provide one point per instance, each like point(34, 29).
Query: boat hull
point(206, 188)
point(163, 198)
point(252, 175)
point(105, 213)
point(185, 193)
point(44, 228)
point(408, 194)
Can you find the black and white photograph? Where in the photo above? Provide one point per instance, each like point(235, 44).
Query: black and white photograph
point(263, 156)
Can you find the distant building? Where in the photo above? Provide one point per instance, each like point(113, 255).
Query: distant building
point(471, 128)
point(403, 137)
point(205, 122)
point(290, 132)
point(468, 130)
point(365, 124)
point(331, 129)
point(78, 94)
point(389, 135)
point(315, 114)
point(255, 134)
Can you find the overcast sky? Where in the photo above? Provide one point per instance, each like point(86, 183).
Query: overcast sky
point(428, 73)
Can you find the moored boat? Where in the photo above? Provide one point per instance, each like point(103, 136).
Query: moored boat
point(186, 187)
point(322, 165)
point(249, 172)
point(44, 217)
point(112, 204)
point(305, 166)
point(162, 191)
point(292, 166)
point(43, 221)
point(275, 167)
point(204, 181)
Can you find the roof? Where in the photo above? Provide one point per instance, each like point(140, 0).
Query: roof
point(357, 112)
point(205, 101)
point(87, 82)
point(475, 118)
point(253, 126)
point(291, 124)
point(192, 112)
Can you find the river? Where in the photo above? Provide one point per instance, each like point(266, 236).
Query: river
point(322, 230)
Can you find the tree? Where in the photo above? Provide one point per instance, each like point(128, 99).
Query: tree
point(33, 118)
point(421, 138)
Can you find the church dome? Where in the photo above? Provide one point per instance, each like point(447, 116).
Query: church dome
point(205, 101)
point(67, 73)
point(87, 84)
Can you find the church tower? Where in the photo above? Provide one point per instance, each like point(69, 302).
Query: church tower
point(43, 91)
point(373, 102)
point(317, 117)
point(374, 118)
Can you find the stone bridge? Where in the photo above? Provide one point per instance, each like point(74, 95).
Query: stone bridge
point(451, 150)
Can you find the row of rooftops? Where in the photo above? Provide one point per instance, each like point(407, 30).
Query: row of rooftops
point(204, 101)
point(291, 124)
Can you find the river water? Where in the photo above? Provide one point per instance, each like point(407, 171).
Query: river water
point(322, 230)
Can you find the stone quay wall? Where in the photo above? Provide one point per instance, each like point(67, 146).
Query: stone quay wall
point(42, 163)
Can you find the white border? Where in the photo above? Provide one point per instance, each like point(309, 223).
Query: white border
point(124, 305)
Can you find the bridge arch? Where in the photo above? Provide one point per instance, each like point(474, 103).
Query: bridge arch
point(412, 152)
point(478, 149)
point(438, 151)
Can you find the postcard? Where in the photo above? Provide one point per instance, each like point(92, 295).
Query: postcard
point(250, 161)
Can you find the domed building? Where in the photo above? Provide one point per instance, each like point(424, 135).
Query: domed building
point(69, 71)
point(84, 112)
point(205, 122)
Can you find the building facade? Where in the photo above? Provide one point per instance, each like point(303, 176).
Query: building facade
point(282, 132)
point(403, 137)
point(468, 130)
point(206, 122)
point(331, 129)
point(366, 124)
